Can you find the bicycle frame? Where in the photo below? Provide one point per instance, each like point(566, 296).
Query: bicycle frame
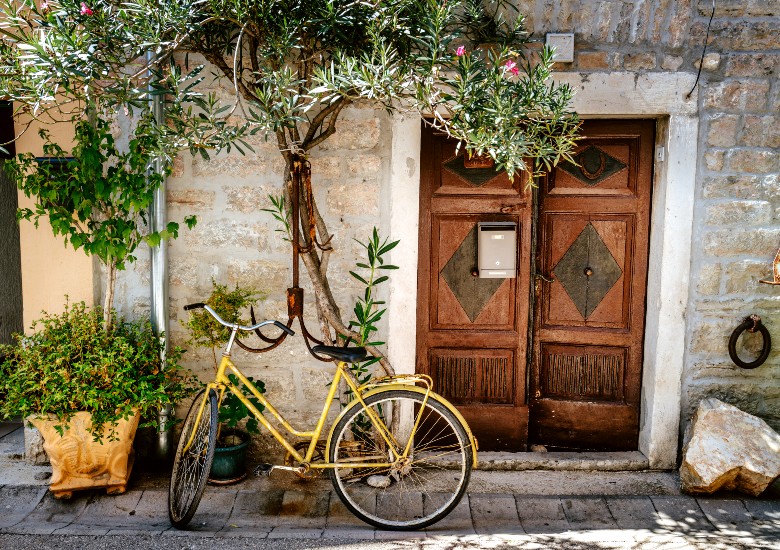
point(222, 383)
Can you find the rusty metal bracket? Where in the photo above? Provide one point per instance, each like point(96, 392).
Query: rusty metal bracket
point(301, 175)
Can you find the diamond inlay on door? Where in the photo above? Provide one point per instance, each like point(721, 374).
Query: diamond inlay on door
point(587, 271)
point(593, 166)
point(474, 176)
point(472, 293)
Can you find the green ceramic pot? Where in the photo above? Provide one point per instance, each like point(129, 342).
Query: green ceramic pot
point(229, 464)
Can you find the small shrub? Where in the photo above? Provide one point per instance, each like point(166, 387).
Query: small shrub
point(72, 364)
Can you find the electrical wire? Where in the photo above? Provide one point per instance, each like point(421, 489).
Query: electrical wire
point(703, 51)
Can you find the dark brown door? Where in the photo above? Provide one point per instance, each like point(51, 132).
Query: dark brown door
point(472, 332)
point(590, 291)
point(10, 259)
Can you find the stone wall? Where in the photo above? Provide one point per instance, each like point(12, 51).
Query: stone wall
point(235, 242)
point(736, 232)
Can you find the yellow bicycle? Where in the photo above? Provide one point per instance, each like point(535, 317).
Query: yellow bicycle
point(399, 455)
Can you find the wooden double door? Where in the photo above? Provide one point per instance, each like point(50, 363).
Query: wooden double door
point(554, 355)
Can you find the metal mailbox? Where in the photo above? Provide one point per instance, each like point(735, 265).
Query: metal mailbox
point(497, 250)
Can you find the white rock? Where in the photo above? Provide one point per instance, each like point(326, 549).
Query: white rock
point(378, 482)
point(728, 449)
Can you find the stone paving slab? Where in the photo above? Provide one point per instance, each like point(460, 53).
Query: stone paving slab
point(457, 522)
point(587, 513)
point(51, 514)
point(17, 502)
point(541, 515)
point(228, 512)
point(495, 514)
point(633, 512)
point(681, 514)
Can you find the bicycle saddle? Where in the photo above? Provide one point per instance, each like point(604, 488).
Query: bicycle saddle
point(348, 355)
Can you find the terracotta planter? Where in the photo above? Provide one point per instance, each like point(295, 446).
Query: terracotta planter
point(79, 462)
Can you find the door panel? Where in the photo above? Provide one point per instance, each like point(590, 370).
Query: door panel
point(472, 332)
point(590, 294)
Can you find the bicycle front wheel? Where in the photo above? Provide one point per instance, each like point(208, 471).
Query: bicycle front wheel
point(193, 459)
point(414, 492)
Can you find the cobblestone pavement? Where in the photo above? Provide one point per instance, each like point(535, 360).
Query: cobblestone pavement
point(309, 512)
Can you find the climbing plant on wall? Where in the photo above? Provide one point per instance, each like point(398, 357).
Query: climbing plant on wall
point(467, 67)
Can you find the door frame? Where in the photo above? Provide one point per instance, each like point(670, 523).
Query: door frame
point(598, 95)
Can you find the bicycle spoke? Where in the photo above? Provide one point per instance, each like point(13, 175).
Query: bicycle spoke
point(438, 463)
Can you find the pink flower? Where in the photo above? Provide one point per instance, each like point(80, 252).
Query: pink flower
point(85, 9)
point(511, 66)
point(460, 51)
point(44, 6)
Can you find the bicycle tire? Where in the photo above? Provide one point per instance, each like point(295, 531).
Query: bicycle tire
point(191, 468)
point(440, 478)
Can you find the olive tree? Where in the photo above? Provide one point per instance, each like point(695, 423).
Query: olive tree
point(467, 67)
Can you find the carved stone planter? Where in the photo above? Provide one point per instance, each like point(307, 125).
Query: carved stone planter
point(79, 462)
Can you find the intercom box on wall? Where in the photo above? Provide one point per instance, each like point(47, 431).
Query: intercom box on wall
point(497, 250)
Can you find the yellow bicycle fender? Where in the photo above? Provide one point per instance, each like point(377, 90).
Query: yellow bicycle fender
point(415, 389)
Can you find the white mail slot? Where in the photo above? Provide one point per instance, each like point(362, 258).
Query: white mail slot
point(497, 250)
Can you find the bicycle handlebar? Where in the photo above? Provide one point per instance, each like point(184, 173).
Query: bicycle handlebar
point(224, 323)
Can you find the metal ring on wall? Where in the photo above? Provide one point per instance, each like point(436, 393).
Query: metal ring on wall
point(751, 324)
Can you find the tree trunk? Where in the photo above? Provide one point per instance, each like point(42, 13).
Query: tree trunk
point(108, 301)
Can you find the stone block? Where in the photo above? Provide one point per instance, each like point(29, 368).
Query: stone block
point(260, 274)
point(589, 61)
point(728, 449)
point(742, 277)
point(711, 336)
point(737, 96)
point(708, 279)
point(757, 161)
point(741, 212)
point(731, 242)
point(739, 8)
point(33, 445)
point(249, 199)
point(723, 130)
point(359, 165)
point(354, 199)
point(325, 167)
point(711, 62)
point(739, 35)
point(715, 159)
point(191, 199)
point(761, 131)
point(671, 62)
point(752, 395)
point(220, 233)
point(354, 133)
point(750, 187)
point(639, 62)
point(754, 64)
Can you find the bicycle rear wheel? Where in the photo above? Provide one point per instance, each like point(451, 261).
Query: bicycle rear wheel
point(414, 493)
point(192, 464)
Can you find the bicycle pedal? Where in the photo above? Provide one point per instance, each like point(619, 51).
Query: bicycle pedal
point(264, 470)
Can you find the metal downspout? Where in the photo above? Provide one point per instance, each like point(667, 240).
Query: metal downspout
point(158, 220)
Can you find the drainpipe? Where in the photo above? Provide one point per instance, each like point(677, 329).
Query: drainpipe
point(158, 219)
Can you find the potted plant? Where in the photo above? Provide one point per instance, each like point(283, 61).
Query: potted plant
point(236, 423)
point(96, 196)
point(86, 389)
